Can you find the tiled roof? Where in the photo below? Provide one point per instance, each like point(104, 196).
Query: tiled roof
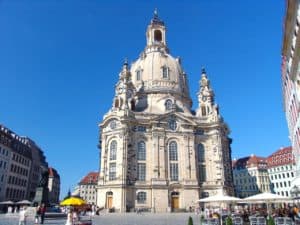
point(283, 156)
point(249, 161)
point(91, 178)
point(52, 172)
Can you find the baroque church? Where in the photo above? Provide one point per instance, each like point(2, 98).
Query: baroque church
point(156, 152)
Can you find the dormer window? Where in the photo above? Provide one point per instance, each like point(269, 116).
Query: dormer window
point(138, 74)
point(157, 36)
point(165, 72)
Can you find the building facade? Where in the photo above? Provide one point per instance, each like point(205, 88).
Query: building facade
point(281, 168)
point(156, 152)
point(250, 175)
point(53, 186)
point(21, 165)
point(291, 79)
point(87, 188)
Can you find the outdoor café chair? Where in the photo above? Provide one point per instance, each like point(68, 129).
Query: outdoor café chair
point(288, 221)
point(279, 221)
point(237, 220)
point(213, 221)
point(261, 220)
point(253, 220)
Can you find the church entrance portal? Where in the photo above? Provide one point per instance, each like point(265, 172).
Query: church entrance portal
point(175, 201)
point(109, 200)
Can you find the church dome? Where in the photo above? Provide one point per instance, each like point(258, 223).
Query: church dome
point(156, 71)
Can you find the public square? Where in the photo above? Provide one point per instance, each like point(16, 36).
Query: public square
point(117, 219)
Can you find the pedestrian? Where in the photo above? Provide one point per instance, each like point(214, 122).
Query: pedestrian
point(42, 213)
point(37, 214)
point(69, 217)
point(23, 216)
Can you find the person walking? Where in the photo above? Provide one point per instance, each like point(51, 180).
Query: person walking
point(23, 216)
point(42, 213)
point(37, 214)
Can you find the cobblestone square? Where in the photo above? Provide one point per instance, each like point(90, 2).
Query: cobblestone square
point(117, 219)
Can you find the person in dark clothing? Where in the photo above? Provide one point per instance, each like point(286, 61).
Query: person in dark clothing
point(42, 213)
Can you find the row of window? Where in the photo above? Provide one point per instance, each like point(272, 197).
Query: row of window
point(165, 71)
point(17, 181)
point(88, 192)
point(141, 151)
point(282, 168)
point(12, 193)
point(282, 184)
point(20, 159)
point(291, 174)
point(18, 170)
point(141, 157)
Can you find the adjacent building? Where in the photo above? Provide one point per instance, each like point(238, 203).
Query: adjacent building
point(291, 79)
point(281, 168)
point(156, 151)
point(21, 165)
point(53, 186)
point(250, 175)
point(87, 188)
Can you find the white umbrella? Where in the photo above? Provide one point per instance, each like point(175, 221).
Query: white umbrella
point(24, 202)
point(7, 203)
point(266, 197)
point(220, 198)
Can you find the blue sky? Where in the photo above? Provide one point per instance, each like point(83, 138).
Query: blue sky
point(59, 62)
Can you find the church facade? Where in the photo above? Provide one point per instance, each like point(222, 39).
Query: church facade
point(156, 152)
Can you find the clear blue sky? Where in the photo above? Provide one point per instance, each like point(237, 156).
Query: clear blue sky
point(59, 62)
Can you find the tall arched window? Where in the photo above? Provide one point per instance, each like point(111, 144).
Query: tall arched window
point(113, 150)
point(201, 163)
point(141, 154)
point(201, 153)
point(141, 157)
point(173, 157)
point(173, 151)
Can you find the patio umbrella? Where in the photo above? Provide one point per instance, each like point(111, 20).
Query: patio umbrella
point(265, 197)
point(73, 201)
point(220, 198)
point(7, 203)
point(24, 202)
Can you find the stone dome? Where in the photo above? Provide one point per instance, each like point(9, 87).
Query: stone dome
point(156, 71)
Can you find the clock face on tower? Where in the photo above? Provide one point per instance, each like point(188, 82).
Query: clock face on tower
point(204, 98)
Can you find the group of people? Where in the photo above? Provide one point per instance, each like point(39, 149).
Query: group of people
point(40, 211)
point(40, 214)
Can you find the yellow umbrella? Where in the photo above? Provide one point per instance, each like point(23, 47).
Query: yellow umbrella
point(73, 201)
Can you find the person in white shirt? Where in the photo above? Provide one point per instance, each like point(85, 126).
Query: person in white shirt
point(23, 216)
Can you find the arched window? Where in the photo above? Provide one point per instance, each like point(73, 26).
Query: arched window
point(113, 150)
point(141, 154)
point(141, 197)
point(157, 35)
point(165, 72)
point(173, 151)
point(138, 74)
point(173, 157)
point(201, 153)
